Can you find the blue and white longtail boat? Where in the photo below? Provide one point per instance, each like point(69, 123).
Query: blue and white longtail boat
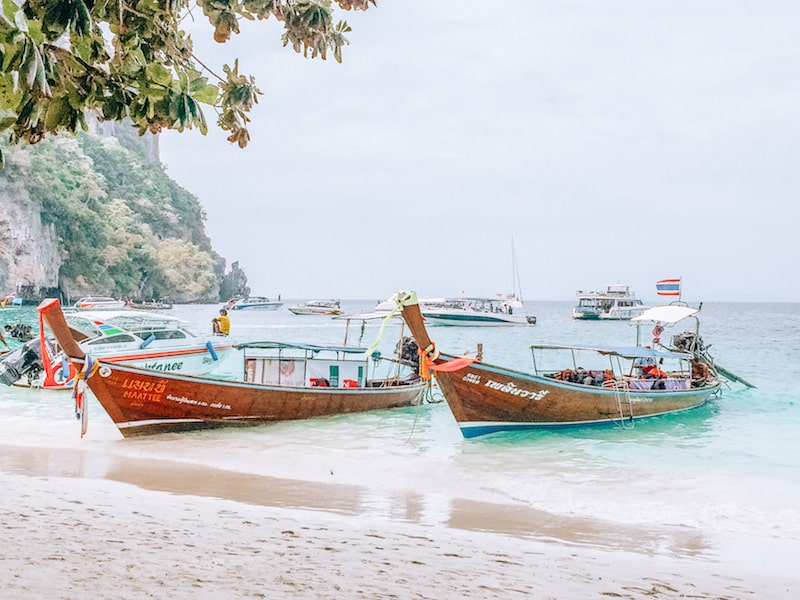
point(575, 385)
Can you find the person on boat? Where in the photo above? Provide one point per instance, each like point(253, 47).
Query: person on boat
point(3, 339)
point(653, 372)
point(20, 331)
point(641, 363)
point(222, 323)
point(699, 370)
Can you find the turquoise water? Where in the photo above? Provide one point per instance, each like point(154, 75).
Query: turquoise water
point(728, 472)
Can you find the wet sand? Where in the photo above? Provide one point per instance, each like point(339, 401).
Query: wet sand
point(120, 527)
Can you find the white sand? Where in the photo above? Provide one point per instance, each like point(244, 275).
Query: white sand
point(162, 530)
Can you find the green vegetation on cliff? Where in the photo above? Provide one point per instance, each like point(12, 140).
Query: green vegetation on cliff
point(124, 227)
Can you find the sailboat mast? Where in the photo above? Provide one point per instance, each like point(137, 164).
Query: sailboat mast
point(515, 274)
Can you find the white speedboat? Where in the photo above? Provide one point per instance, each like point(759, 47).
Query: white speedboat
point(256, 302)
point(617, 302)
point(140, 338)
point(390, 303)
point(99, 303)
point(318, 307)
point(480, 312)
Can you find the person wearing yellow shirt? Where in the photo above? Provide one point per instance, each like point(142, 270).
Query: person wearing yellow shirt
point(222, 323)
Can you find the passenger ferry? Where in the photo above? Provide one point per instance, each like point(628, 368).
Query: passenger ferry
point(616, 302)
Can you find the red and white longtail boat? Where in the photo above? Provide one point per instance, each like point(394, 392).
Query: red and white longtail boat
point(280, 382)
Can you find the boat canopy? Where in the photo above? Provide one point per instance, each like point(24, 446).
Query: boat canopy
point(370, 316)
point(123, 315)
point(129, 320)
point(300, 346)
point(670, 313)
point(622, 351)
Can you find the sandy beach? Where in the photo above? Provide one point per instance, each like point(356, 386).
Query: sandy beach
point(121, 527)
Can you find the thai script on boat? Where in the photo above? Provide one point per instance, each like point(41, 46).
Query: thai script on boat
point(140, 385)
point(506, 388)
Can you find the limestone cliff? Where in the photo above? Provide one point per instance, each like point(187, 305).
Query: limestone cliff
point(98, 215)
point(29, 255)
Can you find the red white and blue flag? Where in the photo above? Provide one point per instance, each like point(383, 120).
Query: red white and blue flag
point(668, 287)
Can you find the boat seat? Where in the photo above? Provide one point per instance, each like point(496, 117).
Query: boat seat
point(670, 383)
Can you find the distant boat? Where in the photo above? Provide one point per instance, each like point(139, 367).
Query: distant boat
point(617, 302)
point(481, 311)
point(99, 303)
point(280, 382)
point(620, 385)
point(12, 300)
point(143, 339)
point(478, 312)
point(163, 304)
point(255, 302)
point(390, 303)
point(318, 307)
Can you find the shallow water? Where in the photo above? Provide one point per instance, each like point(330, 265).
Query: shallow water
point(726, 475)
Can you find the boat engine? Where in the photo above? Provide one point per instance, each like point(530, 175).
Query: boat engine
point(688, 341)
point(25, 360)
point(408, 351)
point(693, 344)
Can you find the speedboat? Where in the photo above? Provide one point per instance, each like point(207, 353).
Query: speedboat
point(617, 302)
point(481, 312)
point(99, 303)
point(318, 307)
point(256, 302)
point(139, 338)
point(390, 303)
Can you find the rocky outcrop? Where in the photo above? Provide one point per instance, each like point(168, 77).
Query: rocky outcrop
point(29, 254)
point(98, 215)
point(234, 284)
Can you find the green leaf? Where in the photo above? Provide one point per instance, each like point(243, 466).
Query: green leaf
point(208, 94)
point(58, 112)
point(158, 74)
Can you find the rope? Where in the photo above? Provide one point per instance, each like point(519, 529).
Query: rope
point(89, 368)
point(426, 393)
point(403, 299)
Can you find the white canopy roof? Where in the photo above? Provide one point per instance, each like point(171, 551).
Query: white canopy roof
point(671, 313)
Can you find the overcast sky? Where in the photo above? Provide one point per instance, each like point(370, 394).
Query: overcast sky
point(614, 141)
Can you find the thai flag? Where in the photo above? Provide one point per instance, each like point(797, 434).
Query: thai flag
point(668, 287)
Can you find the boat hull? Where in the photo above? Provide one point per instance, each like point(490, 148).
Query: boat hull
point(611, 315)
point(143, 402)
point(463, 319)
point(314, 311)
point(485, 399)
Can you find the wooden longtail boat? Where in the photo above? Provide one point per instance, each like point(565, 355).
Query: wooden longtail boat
point(627, 384)
point(287, 387)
